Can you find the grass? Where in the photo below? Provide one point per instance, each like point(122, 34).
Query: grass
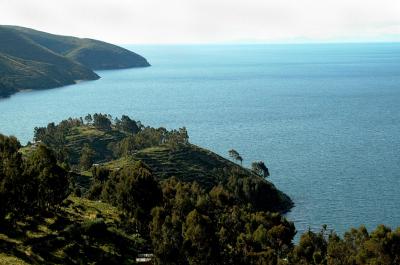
point(119, 163)
point(97, 139)
point(187, 163)
point(81, 231)
point(83, 210)
point(10, 260)
point(191, 163)
point(26, 150)
point(85, 131)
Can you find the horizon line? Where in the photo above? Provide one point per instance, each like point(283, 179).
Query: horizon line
point(298, 40)
point(261, 43)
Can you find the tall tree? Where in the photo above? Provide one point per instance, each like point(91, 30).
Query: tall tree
point(88, 118)
point(235, 155)
point(102, 121)
point(128, 125)
point(138, 192)
point(52, 181)
point(11, 180)
point(198, 239)
point(260, 169)
point(87, 157)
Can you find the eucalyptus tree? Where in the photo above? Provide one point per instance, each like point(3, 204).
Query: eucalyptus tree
point(260, 168)
point(235, 155)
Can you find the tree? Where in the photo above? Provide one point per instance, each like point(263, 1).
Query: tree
point(51, 181)
point(87, 157)
point(176, 138)
point(11, 180)
point(240, 159)
point(31, 184)
point(311, 249)
point(100, 173)
point(101, 121)
point(235, 155)
point(88, 118)
point(260, 168)
point(128, 125)
point(166, 237)
point(138, 192)
point(198, 240)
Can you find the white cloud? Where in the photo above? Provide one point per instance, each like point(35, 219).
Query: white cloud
point(199, 21)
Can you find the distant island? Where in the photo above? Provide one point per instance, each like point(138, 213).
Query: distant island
point(32, 60)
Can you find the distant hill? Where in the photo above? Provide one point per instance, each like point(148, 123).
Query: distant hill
point(31, 59)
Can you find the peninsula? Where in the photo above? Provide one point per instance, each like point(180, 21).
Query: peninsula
point(31, 59)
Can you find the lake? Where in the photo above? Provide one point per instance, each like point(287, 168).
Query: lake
point(324, 118)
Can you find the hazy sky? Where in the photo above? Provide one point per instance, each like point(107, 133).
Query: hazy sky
point(210, 21)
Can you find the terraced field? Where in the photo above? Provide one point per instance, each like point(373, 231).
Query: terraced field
point(97, 139)
point(187, 163)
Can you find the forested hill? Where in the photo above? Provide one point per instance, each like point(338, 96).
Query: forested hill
point(98, 190)
point(31, 59)
point(115, 144)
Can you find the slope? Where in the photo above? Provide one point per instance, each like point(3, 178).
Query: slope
point(94, 54)
point(31, 59)
point(27, 65)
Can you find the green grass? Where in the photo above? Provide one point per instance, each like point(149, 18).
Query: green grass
point(119, 163)
point(187, 163)
point(10, 260)
point(97, 139)
point(81, 231)
point(85, 131)
point(83, 210)
point(26, 150)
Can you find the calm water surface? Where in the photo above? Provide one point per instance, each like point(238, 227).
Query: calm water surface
point(325, 118)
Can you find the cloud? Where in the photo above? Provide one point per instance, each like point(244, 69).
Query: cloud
point(202, 21)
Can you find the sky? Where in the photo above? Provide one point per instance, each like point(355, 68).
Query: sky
point(210, 21)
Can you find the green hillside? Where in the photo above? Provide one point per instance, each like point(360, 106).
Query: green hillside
point(26, 65)
point(94, 54)
point(113, 145)
point(98, 190)
point(31, 59)
point(191, 163)
point(186, 162)
point(79, 232)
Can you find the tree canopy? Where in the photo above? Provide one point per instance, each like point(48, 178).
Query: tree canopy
point(235, 219)
point(29, 185)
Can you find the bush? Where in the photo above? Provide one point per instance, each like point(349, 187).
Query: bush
point(95, 191)
point(96, 227)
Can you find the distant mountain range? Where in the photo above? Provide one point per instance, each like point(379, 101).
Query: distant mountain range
point(31, 59)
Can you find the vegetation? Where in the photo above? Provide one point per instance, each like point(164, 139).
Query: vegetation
point(235, 156)
point(260, 169)
point(198, 227)
point(357, 247)
point(25, 64)
point(32, 184)
point(81, 231)
point(31, 59)
point(95, 190)
point(93, 54)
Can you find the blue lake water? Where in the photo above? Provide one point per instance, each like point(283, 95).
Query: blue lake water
point(324, 118)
